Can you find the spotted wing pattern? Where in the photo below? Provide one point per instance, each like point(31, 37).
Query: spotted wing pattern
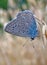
point(23, 25)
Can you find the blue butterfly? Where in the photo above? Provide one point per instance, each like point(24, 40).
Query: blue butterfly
point(23, 25)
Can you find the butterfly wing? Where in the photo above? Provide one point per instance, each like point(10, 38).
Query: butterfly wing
point(33, 30)
point(11, 27)
point(24, 25)
point(17, 28)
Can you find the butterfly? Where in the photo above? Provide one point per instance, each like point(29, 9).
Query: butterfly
point(24, 25)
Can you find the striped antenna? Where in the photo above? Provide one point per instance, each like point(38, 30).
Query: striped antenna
point(44, 32)
point(41, 21)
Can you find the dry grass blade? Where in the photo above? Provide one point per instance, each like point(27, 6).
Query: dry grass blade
point(5, 56)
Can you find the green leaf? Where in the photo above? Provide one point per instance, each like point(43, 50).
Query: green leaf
point(1, 28)
point(3, 4)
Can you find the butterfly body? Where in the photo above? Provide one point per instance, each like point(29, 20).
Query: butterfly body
point(23, 25)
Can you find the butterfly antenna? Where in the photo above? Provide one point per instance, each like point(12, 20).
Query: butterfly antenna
point(43, 22)
point(43, 29)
